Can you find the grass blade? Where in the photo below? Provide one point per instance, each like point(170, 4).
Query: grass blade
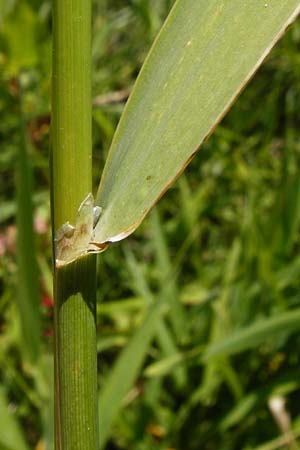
point(251, 337)
point(126, 369)
point(164, 336)
point(28, 295)
point(11, 437)
point(240, 341)
point(165, 267)
point(205, 54)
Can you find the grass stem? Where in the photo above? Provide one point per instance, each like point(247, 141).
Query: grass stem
point(75, 284)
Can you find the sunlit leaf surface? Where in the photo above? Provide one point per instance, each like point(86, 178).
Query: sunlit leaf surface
point(201, 60)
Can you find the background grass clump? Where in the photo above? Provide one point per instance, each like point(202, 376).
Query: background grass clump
point(200, 323)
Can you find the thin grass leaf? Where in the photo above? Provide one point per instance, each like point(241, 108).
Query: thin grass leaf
point(280, 442)
point(219, 368)
point(240, 341)
point(126, 369)
point(28, 295)
point(120, 306)
point(282, 386)
point(165, 267)
point(164, 336)
point(11, 436)
point(251, 337)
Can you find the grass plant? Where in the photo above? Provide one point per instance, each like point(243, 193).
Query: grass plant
point(198, 311)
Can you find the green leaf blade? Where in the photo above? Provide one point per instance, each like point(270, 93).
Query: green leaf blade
point(202, 58)
point(11, 434)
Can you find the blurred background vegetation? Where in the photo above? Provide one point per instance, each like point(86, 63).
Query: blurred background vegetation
point(198, 311)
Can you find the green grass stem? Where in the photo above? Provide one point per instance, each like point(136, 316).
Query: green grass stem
point(76, 358)
point(74, 285)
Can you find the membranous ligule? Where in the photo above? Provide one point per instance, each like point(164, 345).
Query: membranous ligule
point(71, 242)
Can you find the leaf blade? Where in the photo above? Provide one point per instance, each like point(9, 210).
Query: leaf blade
point(126, 369)
point(11, 434)
point(205, 53)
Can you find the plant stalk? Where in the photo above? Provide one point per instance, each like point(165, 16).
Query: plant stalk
point(76, 421)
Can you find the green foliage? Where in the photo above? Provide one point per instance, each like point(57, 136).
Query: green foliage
point(202, 58)
point(225, 244)
point(11, 435)
point(28, 301)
